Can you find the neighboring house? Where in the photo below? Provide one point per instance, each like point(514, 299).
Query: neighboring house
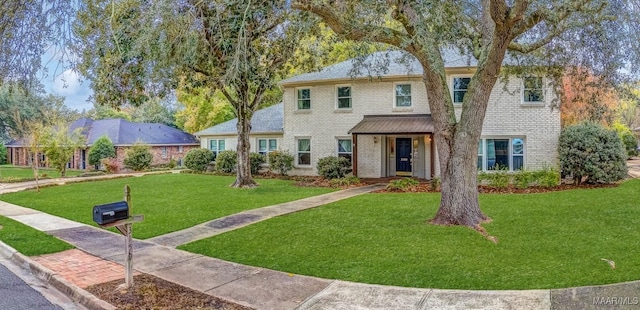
point(166, 143)
point(266, 132)
point(379, 118)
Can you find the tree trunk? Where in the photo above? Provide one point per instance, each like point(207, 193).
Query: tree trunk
point(243, 170)
point(459, 188)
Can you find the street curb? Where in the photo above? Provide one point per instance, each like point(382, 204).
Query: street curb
point(73, 291)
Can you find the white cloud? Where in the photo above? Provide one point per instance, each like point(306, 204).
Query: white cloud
point(66, 83)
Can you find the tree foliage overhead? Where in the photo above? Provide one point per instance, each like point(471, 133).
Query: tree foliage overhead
point(586, 98)
point(598, 35)
point(18, 106)
point(237, 47)
point(27, 29)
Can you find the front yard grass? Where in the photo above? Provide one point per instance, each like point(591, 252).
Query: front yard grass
point(10, 173)
point(169, 202)
point(548, 240)
point(29, 241)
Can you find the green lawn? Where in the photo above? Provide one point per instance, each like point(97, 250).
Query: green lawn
point(549, 240)
point(29, 241)
point(14, 174)
point(169, 202)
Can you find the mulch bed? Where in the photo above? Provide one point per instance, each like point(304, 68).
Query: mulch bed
point(151, 292)
point(427, 188)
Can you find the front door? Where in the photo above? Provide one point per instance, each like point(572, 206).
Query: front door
point(403, 156)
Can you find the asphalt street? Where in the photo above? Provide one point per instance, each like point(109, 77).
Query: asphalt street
point(16, 294)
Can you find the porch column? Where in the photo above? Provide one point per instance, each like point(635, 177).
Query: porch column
point(354, 155)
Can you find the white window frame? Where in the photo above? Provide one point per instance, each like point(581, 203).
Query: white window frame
point(180, 148)
point(524, 90)
point(453, 90)
point(164, 151)
point(350, 97)
point(268, 148)
point(395, 95)
point(298, 152)
point(297, 95)
point(483, 156)
point(217, 150)
point(338, 139)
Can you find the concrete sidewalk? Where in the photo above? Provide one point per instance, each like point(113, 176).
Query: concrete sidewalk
point(268, 289)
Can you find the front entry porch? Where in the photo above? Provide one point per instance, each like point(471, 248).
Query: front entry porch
point(394, 146)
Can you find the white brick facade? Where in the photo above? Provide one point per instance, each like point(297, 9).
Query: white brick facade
point(507, 117)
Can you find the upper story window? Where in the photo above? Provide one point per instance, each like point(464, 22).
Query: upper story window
point(344, 97)
point(304, 98)
point(403, 95)
point(164, 151)
point(216, 146)
point(180, 149)
point(345, 148)
point(460, 87)
point(532, 90)
point(267, 145)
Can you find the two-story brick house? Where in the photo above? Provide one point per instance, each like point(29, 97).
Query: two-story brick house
point(378, 117)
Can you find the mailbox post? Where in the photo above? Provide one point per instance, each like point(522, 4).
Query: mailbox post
point(117, 215)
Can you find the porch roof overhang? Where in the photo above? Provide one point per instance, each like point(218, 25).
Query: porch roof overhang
point(394, 124)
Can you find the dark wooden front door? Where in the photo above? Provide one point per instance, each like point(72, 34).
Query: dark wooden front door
point(403, 156)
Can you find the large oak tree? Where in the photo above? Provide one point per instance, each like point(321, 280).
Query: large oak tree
point(237, 47)
point(594, 34)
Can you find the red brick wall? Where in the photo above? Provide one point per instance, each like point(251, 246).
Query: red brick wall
point(159, 156)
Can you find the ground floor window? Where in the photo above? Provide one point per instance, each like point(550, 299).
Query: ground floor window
point(216, 146)
point(164, 151)
point(304, 152)
point(501, 154)
point(345, 148)
point(267, 145)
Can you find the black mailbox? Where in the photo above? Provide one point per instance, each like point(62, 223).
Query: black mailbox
point(111, 212)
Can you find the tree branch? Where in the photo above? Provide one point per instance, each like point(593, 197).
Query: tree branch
point(346, 29)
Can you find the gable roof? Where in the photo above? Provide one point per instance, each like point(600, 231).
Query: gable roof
point(264, 121)
point(123, 133)
point(380, 64)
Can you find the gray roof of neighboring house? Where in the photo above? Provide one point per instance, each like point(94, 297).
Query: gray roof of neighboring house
point(122, 132)
point(380, 64)
point(267, 120)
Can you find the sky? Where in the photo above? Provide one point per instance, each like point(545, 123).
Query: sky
point(67, 84)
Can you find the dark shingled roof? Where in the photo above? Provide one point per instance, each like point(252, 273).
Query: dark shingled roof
point(394, 124)
point(381, 64)
point(264, 121)
point(123, 133)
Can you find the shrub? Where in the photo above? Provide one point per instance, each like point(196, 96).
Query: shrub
point(402, 184)
point(435, 184)
point(226, 161)
point(628, 139)
point(101, 149)
point(630, 144)
point(138, 157)
point(280, 161)
point(497, 178)
point(3, 154)
point(110, 165)
point(346, 181)
point(198, 159)
point(333, 167)
point(547, 177)
point(256, 160)
point(523, 178)
point(591, 153)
